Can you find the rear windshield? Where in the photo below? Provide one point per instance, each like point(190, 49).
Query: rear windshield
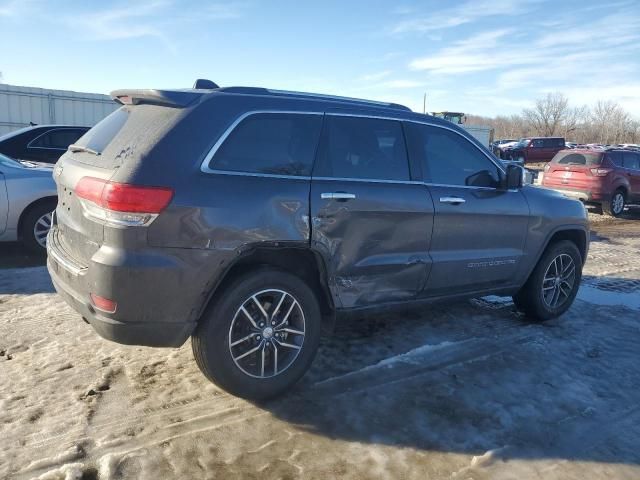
point(578, 158)
point(101, 135)
point(126, 135)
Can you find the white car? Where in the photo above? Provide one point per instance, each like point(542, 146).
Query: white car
point(27, 197)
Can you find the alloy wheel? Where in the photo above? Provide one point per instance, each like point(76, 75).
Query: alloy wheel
point(267, 333)
point(559, 281)
point(41, 229)
point(617, 205)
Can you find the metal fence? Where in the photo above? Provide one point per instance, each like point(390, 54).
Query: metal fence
point(20, 106)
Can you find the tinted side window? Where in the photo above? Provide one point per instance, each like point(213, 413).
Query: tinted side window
point(59, 139)
point(367, 148)
point(616, 158)
point(450, 159)
point(538, 143)
point(631, 160)
point(276, 143)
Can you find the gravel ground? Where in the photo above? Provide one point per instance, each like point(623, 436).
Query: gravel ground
point(467, 390)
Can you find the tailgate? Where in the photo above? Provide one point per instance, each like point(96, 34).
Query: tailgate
point(574, 176)
point(76, 235)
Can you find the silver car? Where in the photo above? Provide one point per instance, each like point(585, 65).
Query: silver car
point(27, 198)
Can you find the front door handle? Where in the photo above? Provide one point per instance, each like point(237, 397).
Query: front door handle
point(337, 196)
point(452, 200)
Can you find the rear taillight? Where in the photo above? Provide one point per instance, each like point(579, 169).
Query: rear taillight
point(121, 203)
point(600, 172)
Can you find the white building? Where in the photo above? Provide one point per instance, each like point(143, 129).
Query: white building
point(20, 106)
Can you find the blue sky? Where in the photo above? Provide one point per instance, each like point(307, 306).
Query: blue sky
point(476, 56)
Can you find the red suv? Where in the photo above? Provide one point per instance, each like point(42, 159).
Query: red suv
point(538, 149)
point(609, 177)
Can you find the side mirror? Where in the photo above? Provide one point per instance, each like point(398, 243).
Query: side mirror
point(514, 177)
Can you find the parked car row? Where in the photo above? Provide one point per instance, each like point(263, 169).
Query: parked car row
point(543, 149)
point(27, 190)
point(601, 146)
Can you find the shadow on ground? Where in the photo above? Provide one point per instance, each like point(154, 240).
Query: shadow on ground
point(21, 264)
point(14, 255)
point(568, 389)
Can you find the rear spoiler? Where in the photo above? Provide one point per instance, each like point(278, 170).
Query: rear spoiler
point(167, 98)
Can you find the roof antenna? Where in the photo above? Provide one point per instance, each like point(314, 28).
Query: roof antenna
point(204, 84)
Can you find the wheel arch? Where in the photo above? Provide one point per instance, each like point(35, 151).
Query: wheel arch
point(625, 190)
point(298, 260)
point(575, 234)
point(31, 206)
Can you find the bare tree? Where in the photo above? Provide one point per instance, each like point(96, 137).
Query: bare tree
point(607, 122)
point(548, 114)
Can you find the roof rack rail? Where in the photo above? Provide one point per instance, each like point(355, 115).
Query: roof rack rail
point(287, 93)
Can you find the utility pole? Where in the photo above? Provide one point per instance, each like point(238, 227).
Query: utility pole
point(424, 103)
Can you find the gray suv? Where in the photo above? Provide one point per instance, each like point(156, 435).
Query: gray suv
point(249, 218)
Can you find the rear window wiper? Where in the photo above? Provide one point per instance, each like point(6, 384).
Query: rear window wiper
point(80, 148)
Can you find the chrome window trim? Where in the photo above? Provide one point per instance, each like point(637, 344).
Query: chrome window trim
point(204, 167)
point(63, 149)
point(420, 122)
point(368, 180)
point(253, 174)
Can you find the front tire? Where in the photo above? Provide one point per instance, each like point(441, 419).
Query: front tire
point(553, 284)
point(259, 335)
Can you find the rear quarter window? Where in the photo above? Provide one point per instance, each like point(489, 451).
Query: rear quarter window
point(270, 143)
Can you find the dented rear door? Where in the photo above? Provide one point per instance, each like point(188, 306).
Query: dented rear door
point(371, 222)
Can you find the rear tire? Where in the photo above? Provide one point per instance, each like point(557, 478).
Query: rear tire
point(252, 355)
point(553, 284)
point(615, 205)
point(35, 226)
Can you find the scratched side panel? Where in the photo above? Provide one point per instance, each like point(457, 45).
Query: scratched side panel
point(228, 212)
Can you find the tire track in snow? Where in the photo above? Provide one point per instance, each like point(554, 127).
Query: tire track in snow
point(430, 359)
point(420, 361)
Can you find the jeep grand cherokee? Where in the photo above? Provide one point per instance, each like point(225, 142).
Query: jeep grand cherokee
point(247, 219)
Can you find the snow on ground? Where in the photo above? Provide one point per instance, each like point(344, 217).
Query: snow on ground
point(464, 391)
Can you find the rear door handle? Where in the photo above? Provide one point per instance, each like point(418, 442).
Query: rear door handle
point(452, 200)
point(337, 196)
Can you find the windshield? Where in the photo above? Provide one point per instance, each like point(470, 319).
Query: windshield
point(578, 158)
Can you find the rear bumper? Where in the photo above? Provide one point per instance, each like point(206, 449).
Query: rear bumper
point(159, 294)
point(579, 194)
point(128, 333)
